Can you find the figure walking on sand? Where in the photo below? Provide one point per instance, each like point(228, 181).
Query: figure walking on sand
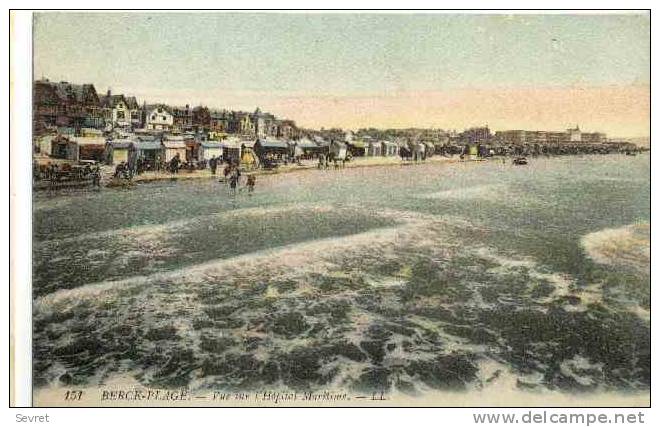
point(226, 171)
point(213, 163)
point(234, 176)
point(251, 181)
point(174, 163)
point(96, 177)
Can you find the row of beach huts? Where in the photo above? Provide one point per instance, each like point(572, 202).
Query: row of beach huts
point(153, 150)
point(89, 145)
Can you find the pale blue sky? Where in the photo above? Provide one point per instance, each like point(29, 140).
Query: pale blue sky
point(185, 57)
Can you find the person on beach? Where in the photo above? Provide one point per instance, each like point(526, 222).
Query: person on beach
point(213, 163)
point(36, 171)
point(96, 177)
point(227, 170)
point(174, 163)
point(251, 181)
point(119, 170)
point(233, 181)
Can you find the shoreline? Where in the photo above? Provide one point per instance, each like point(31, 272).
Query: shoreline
point(108, 182)
point(148, 177)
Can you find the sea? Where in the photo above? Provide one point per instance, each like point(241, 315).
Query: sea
point(408, 280)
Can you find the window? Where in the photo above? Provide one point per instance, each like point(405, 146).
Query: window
point(153, 117)
point(120, 115)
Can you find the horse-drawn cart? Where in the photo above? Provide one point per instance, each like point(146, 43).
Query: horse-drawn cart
point(64, 175)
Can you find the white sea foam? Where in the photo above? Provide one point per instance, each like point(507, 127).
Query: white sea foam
point(575, 367)
point(290, 257)
point(311, 256)
point(627, 247)
point(488, 192)
point(563, 284)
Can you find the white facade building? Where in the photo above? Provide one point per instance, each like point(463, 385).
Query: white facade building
point(574, 135)
point(121, 111)
point(159, 118)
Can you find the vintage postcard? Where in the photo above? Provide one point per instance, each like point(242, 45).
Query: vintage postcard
point(340, 209)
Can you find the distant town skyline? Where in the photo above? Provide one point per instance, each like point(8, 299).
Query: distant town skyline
point(367, 70)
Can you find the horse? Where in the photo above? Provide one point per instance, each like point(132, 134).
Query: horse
point(405, 153)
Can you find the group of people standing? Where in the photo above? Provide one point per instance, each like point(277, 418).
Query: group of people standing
point(231, 172)
point(232, 175)
point(326, 159)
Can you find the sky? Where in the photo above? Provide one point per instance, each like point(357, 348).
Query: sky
point(355, 70)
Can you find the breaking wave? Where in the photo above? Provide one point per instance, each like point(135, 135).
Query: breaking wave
point(624, 247)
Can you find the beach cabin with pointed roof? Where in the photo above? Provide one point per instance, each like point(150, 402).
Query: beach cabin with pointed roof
point(63, 148)
point(306, 148)
point(118, 150)
point(150, 150)
point(209, 149)
point(91, 148)
point(231, 149)
point(173, 145)
point(271, 148)
point(357, 147)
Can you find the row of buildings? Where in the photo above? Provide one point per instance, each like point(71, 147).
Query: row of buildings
point(156, 149)
point(74, 122)
point(483, 135)
point(62, 104)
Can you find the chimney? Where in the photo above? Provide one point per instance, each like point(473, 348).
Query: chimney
point(109, 92)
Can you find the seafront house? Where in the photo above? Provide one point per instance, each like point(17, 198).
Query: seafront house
point(286, 129)
point(264, 124)
point(159, 118)
point(121, 111)
point(201, 119)
point(240, 123)
point(182, 118)
point(219, 123)
point(64, 104)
